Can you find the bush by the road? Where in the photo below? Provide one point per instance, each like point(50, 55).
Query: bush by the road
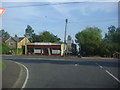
point(4, 48)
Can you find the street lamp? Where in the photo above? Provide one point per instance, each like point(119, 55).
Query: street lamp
point(66, 20)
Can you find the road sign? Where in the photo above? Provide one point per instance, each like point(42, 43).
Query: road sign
point(2, 10)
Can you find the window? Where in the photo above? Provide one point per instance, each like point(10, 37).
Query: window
point(11, 43)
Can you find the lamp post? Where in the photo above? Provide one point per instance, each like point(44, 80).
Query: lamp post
point(66, 20)
point(17, 47)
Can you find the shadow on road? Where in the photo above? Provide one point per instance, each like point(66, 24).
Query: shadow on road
point(92, 63)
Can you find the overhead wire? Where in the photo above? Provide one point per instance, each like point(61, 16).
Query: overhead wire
point(43, 4)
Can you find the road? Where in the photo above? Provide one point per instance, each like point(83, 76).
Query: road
point(70, 73)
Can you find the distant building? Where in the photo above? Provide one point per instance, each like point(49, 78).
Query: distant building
point(44, 48)
point(71, 47)
point(15, 42)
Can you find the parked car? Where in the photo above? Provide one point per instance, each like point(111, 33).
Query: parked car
point(9, 53)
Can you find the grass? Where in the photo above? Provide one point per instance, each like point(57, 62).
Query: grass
point(2, 65)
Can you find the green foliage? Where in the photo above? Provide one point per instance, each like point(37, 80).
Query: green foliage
point(36, 38)
point(113, 39)
point(48, 37)
point(16, 36)
point(69, 37)
point(2, 65)
point(5, 48)
point(89, 40)
point(4, 34)
point(17, 52)
point(42, 37)
point(29, 33)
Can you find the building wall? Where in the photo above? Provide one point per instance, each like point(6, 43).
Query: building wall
point(23, 42)
point(63, 49)
point(46, 48)
point(11, 41)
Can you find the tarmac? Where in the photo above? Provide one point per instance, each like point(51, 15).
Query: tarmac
point(13, 76)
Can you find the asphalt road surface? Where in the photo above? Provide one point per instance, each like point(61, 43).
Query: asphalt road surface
point(70, 73)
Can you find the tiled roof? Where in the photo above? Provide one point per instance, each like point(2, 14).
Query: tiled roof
point(20, 38)
point(15, 38)
point(5, 38)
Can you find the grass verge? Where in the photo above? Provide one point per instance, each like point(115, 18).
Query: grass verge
point(2, 65)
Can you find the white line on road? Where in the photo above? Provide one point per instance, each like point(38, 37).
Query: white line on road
point(27, 76)
point(109, 73)
point(99, 65)
point(112, 76)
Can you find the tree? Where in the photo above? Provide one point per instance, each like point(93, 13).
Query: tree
point(46, 36)
point(4, 48)
point(69, 37)
point(89, 40)
point(35, 38)
point(3, 33)
point(113, 39)
point(29, 33)
point(16, 36)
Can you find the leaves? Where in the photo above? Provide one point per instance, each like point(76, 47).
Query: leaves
point(29, 33)
point(89, 40)
point(46, 36)
point(5, 48)
point(3, 33)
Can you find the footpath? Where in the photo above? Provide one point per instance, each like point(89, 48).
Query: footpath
point(13, 75)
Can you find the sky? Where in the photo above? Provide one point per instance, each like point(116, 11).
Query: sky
point(52, 17)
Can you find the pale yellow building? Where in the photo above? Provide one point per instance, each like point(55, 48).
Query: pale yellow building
point(22, 42)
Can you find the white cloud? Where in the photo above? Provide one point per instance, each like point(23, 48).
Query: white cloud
point(87, 8)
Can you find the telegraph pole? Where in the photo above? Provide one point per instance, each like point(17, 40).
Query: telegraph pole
point(66, 21)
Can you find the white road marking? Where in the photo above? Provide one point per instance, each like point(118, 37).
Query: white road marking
point(19, 77)
point(109, 73)
point(27, 76)
point(99, 65)
point(75, 64)
point(112, 76)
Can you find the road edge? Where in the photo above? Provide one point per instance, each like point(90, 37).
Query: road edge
point(27, 75)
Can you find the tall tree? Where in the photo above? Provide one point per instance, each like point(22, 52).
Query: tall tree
point(35, 38)
point(113, 38)
point(29, 33)
point(46, 36)
point(69, 37)
point(3, 33)
point(89, 40)
point(16, 36)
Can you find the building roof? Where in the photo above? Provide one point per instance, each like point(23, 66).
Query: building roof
point(18, 38)
point(44, 43)
point(15, 38)
point(4, 38)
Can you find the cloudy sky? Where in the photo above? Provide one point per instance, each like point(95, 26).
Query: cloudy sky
point(52, 17)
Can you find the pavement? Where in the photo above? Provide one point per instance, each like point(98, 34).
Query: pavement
point(13, 75)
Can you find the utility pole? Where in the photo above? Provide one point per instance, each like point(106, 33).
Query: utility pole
point(17, 47)
point(66, 21)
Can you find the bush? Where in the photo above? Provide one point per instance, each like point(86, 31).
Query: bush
point(19, 51)
point(4, 48)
